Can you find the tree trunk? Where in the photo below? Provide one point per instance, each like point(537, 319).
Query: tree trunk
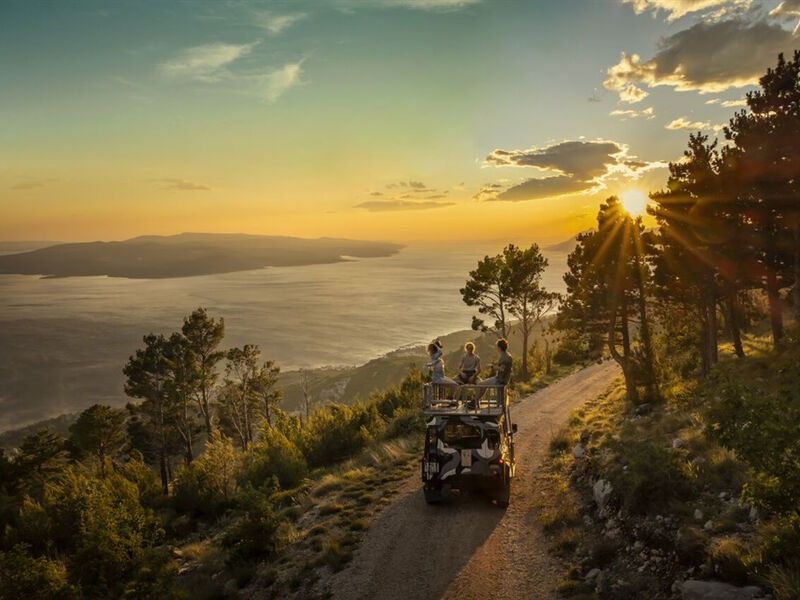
point(622, 361)
point(189, 450)
point(711, 311)
point(775, 309)
point(796, 270)
point(548, 366)
point(731, 314)
point(206, 413)
point(525, 335)
point(626, 336)
point(162, 463)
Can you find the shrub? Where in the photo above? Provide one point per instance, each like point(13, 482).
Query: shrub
point(275, 456)
point(728, 560)
point(254, 534)
point(570, 350)
point(338, 432)
point(760, 424)
point(102, 526)
point(784, 580)
point(25, 576)
point(654, 475)
point(209, 483)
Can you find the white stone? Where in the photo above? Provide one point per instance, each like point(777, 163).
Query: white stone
point(601, 491)
point(715, 590)
point(698, 514)
point(578, 451)
point(592, 575)
point(677, 443)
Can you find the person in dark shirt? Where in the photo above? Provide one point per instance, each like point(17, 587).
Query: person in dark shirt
point(502, 373)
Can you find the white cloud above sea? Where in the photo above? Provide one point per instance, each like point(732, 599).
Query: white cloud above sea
point(204, 63)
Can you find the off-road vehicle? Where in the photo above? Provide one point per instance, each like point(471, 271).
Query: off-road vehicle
point(469, 442)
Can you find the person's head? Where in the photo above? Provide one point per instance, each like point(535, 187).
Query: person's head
point(502, 345)
point(469, 347)
point(432, 349)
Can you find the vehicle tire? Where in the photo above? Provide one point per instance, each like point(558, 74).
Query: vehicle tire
point(433, 495)
point(503, 495)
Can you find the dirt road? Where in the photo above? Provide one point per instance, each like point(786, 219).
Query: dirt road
point(467, 548)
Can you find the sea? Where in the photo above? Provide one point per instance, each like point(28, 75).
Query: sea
point(63, 341)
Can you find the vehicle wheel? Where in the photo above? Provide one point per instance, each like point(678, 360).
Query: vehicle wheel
point(504, 494)
point(432, 495)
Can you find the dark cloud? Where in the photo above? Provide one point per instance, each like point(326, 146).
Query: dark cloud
point(376, 193)
point(182, 185)
point(395, 205)
point(547, 187)
point(32, 184)
point(579, 159)
point(416, 185)
point(709, 57)
point(576, 167)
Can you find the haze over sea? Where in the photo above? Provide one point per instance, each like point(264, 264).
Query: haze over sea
point(63, 342)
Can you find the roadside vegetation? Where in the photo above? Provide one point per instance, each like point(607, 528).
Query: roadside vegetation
point(203, 487)
point(684, 478)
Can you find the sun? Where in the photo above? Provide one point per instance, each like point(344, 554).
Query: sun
point(634, 202)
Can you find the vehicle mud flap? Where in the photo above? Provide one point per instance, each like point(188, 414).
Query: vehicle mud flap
point(433, 494)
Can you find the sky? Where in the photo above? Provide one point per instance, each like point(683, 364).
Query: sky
point(371, 119)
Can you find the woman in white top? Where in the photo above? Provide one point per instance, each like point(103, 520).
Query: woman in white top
point(436, 365)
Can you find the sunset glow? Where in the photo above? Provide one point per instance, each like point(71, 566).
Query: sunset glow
point(634, 202)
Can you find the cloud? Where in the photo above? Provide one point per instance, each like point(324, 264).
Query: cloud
point(32, 184)
point(579, 166)
point(648, 113)
point(732, 103)
point(632, 94)
point(488, 192)
point(181, 185)
point(278, 82)
point(275, 24)
point(788, 10)
point(684, 123)
point(675, 9)
point(708, 57)
point(415, 185)
point(430, 5)
point(395, 205)
point(204, 63)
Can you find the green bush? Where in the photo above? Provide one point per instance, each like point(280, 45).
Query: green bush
point(275, 456)
point(570, 350)
point(728, 560)
point(25, 576)
point(653, 478)
point(338, 432)
point(208, 485)
point(254, 534)
point(760, 423)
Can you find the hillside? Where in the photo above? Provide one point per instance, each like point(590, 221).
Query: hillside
point(186, 254)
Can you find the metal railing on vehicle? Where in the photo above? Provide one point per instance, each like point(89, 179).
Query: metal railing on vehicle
point(464, 399)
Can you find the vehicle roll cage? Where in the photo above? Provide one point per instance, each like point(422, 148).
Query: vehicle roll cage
point(468, 399)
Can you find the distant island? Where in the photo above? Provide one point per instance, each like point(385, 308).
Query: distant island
point(186, 255)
